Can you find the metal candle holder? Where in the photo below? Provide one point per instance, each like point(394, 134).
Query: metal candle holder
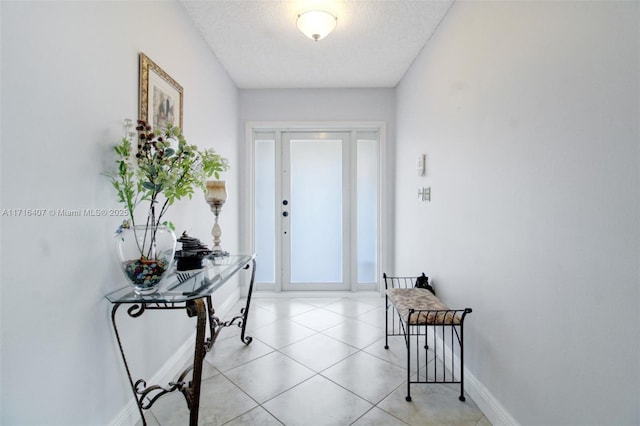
point(215, 196)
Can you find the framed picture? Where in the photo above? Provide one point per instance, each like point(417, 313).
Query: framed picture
point(160, 95)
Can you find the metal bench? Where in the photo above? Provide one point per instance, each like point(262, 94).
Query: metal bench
point(433, 333)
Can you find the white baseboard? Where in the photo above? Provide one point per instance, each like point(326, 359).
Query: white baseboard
point(129, 415)
point(493, 410)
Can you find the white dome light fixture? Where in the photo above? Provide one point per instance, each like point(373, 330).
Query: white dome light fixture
point(316, 24)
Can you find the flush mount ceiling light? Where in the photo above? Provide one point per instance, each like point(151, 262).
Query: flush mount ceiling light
point(316, 24)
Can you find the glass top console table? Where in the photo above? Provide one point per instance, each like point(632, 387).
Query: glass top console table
point(189, 290)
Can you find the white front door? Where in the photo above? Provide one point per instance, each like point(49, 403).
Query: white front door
point(315, 209)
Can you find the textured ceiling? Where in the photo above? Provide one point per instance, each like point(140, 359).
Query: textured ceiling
point(373, 45)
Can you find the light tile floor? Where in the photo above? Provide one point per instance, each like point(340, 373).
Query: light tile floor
point(312, 362)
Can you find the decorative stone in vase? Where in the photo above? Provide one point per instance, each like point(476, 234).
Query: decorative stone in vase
point(146, 254)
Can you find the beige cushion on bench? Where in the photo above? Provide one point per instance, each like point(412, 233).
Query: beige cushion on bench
point(420, 299)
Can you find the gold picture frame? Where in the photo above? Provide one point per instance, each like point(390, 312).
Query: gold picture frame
point(160, 95)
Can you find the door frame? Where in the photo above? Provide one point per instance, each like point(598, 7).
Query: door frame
point(318, 126)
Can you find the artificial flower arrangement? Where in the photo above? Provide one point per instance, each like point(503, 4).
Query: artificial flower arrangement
point(158, 170)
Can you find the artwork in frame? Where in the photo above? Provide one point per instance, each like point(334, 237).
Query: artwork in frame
point(160, 95)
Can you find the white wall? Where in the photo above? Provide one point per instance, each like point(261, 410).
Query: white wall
point(69, 77)
point(528, 114)
point(317, 105)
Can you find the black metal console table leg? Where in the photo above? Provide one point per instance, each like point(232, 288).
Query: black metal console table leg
point(245, 311)
point(124, 359)
point(198, 309)
point(146, 396)
point(216, 324)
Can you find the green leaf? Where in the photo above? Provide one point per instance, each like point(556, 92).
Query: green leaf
point(161, 173)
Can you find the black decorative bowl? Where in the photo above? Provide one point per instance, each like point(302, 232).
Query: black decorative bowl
point(192, 254)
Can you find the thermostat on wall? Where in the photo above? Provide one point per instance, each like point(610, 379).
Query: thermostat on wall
point(420, 165)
